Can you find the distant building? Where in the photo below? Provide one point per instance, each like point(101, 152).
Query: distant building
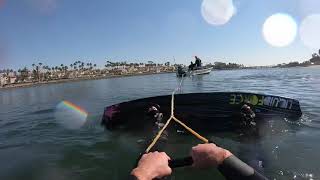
point(12, 79)
point(109, 68)
point(12, 74)
point(3, 80)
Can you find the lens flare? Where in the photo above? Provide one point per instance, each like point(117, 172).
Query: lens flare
point(280, 30)
point(70, 115)
point(217, 12)
point(309, 31)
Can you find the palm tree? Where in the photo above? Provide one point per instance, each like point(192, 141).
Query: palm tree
point(109, 63)
point(24, 73)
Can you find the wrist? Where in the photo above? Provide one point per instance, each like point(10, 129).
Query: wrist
point(141, 174)
point(226, 154)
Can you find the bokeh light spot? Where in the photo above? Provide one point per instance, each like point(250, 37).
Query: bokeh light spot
point(309, 31)
point(217, 12)
point(279, 30)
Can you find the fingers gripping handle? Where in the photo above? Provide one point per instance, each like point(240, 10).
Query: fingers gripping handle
point(175, 163)
point(187, 161)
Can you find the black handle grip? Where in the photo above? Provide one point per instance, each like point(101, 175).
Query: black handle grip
point(176, 163)
point(187, 161)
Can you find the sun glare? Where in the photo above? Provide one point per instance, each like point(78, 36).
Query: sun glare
point(279, 30)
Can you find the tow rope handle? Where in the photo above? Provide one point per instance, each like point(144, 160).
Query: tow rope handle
point(176, 163)
point(183, 162)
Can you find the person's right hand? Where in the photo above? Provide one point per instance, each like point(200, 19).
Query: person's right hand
point(208, 155)
point(152, 165)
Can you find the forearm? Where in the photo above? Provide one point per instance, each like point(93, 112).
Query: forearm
point(233, 168)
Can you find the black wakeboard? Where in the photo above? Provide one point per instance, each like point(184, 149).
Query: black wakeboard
point(201, 111)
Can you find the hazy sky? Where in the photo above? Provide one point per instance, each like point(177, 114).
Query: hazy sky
point(62, 31)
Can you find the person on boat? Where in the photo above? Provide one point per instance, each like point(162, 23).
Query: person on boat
point(198, 61)
point(155, 164)
point(191, 66)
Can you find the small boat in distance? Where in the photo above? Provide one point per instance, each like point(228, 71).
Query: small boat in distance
point(183, 72)
point(193, 69)
point(200, 70)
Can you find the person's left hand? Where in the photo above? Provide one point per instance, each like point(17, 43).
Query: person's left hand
point(152, 165)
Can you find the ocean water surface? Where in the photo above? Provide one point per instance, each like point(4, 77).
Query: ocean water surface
point(34, 144)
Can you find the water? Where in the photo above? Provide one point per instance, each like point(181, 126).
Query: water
point(33, 145)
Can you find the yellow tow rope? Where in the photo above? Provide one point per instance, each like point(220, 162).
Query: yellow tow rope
point(176, 120)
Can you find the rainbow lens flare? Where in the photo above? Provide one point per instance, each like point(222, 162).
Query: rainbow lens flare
point(70, 115)
point(75, 108)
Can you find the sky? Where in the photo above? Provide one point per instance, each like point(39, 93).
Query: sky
point(58, 32)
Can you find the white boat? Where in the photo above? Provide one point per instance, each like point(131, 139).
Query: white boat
point(201, 70)
point(182, 72)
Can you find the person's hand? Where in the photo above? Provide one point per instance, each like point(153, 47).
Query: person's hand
point(152, 165)
point(208, 155)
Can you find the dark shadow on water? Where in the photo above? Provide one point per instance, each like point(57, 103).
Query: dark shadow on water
point(43, 111)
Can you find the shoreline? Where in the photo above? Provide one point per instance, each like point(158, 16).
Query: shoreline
point(33, 84)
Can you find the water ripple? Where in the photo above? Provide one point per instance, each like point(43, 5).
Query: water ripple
point(288, 149)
